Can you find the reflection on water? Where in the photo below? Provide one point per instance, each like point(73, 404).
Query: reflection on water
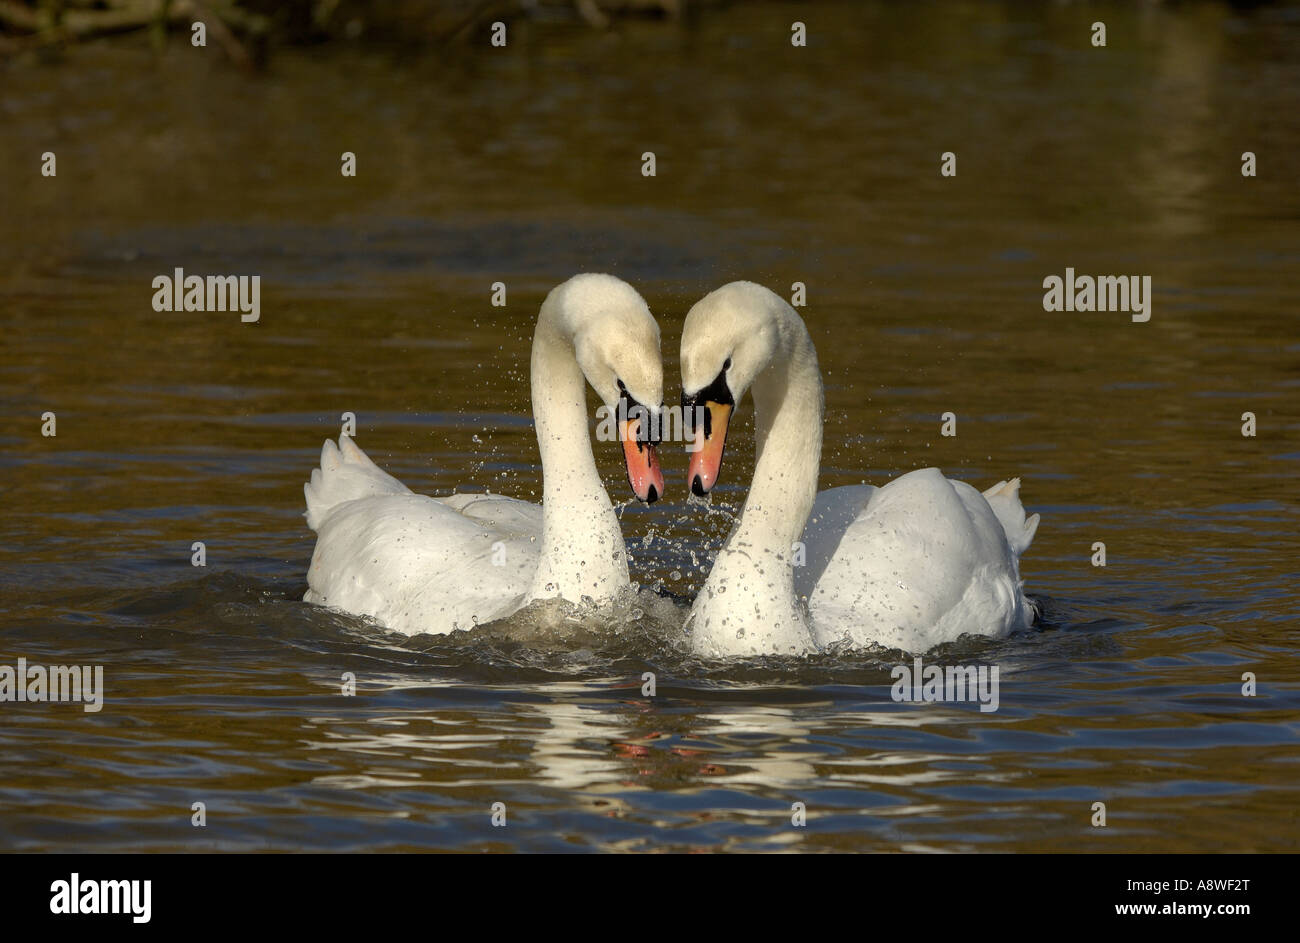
point(816, 165)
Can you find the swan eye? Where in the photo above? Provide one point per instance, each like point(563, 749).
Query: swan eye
point(621, 387)
point(727, 365)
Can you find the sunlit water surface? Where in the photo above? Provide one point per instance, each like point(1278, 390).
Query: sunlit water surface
point(817, 165)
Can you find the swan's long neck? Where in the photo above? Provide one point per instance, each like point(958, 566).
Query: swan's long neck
point(748, 601)
point(788, 444)
point(582, 550)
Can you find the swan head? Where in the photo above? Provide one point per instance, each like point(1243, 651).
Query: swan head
point(616, 344)
point(731, 335)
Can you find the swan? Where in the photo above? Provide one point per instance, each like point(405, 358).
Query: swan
point(437, 565)
point(909, 565)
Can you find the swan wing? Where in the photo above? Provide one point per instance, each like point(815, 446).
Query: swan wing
point(415, 563)
point(345, 474)
point(1004, 499)
point(833, 513)
point(505, 515)
point(925, 560)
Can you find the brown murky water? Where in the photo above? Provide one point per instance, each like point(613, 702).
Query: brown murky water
point(818, 165)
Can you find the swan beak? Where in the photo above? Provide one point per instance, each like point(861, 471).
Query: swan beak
point(643, 472)
point(706, 448)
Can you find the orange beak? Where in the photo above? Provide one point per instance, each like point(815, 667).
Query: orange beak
point(643, 472)
point(706, 450)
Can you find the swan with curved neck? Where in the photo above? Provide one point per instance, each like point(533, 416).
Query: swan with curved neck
point(436, 565)
point(908, 565)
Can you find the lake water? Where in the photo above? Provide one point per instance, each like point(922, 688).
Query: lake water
point(777, 164)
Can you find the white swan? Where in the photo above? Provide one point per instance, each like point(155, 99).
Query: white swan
point(421, 564)
point(909, 565)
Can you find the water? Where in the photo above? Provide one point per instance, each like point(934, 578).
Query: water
point(817, 165)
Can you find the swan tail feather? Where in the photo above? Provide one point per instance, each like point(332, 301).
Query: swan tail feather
point(345, 474)
point(1004, 499)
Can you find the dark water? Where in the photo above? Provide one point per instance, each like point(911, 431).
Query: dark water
point(777, 164)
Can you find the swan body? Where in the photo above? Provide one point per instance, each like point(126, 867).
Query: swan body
point(910, 565)
point(917, 562)
point(437, 565)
